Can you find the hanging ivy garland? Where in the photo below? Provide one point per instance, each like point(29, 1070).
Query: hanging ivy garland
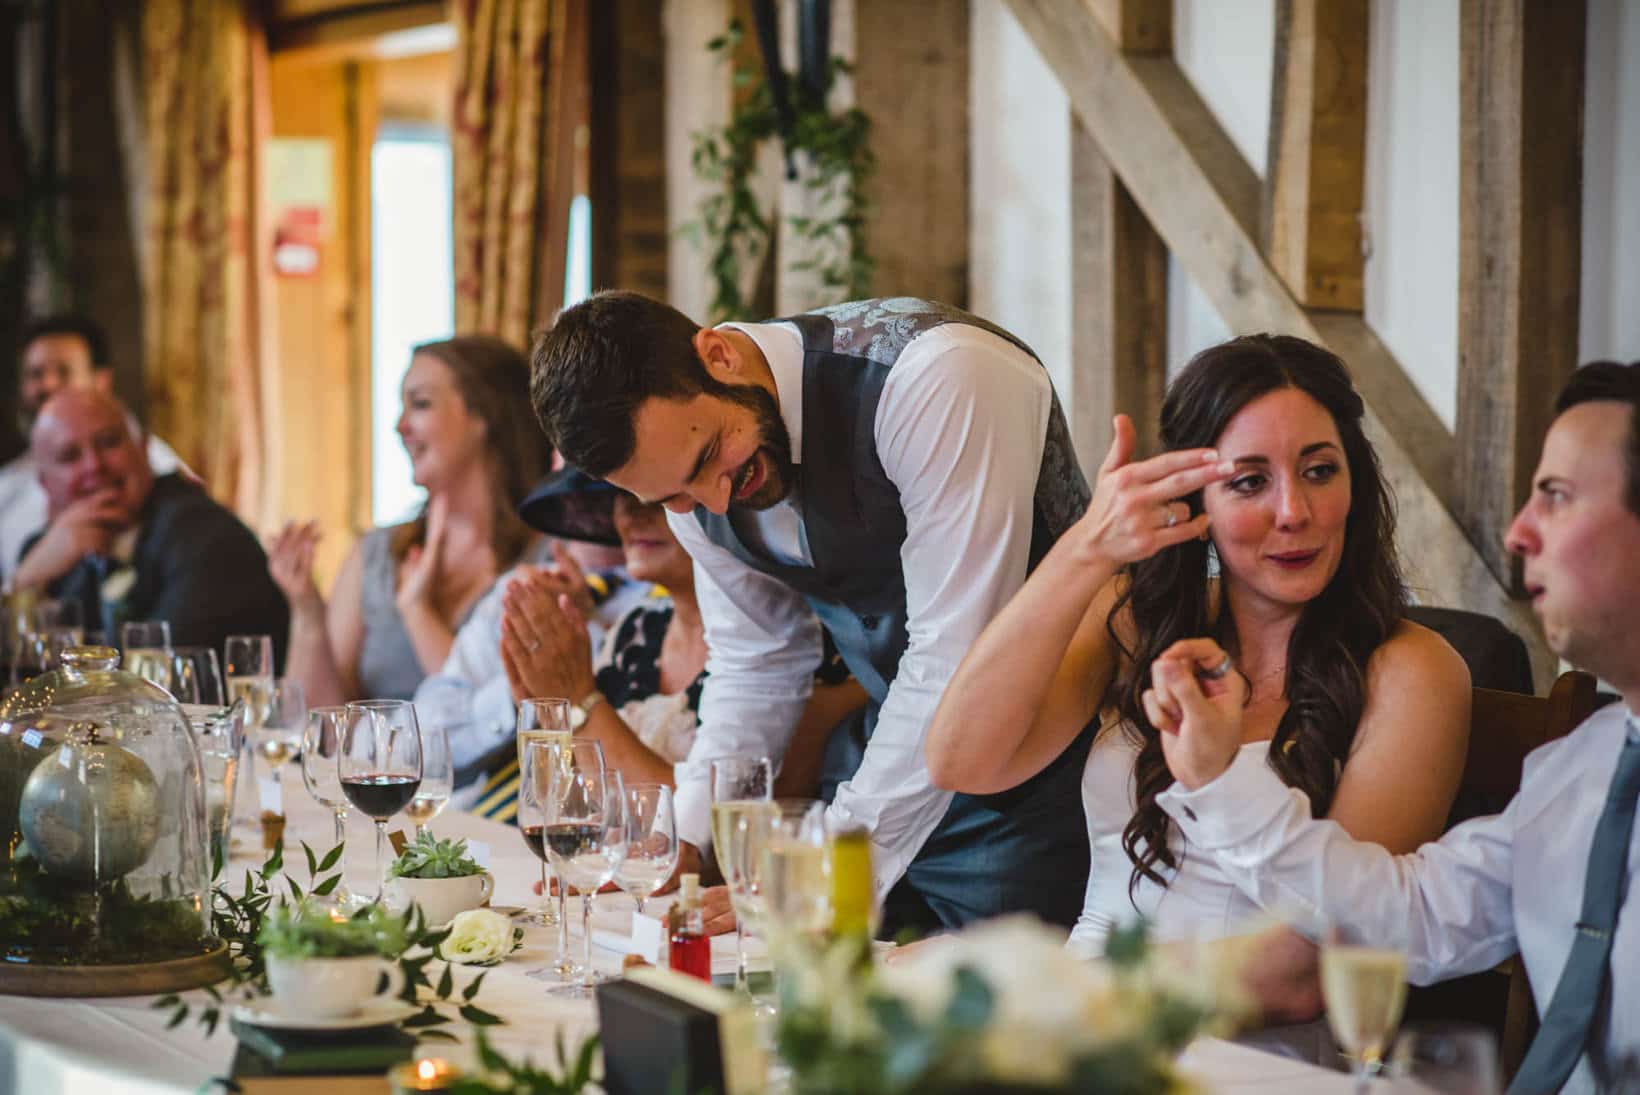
point(734, 229)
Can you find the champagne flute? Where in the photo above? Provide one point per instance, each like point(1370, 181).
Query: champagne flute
point(741, 788)
point(1364, 984)
point(583, 809)
point(438, 778)
point(147, 650)
point(321, 746)
point(197, 676)
point(247, 669)
point(380, 764)
point(651, 841)
point(544, 719)
point(280, 735)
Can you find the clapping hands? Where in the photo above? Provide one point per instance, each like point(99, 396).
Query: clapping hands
point(545, 649)
point(290, 562)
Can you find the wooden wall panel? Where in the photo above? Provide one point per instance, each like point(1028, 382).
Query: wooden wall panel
point(629, 226)
point(1520, 187)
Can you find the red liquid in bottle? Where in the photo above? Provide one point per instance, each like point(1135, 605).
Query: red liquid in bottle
point(692, 954)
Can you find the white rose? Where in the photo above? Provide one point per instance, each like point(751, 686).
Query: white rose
point(477, 937)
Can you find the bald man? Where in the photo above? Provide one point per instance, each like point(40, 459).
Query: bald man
point(59, 352)
point(190, 561)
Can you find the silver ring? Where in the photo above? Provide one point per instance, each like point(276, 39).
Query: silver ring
point(534, 645)
point(1172, 518)
point(1220, 671)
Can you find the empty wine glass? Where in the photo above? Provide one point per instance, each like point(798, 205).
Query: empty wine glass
point(279, 736)
point(146, 650)
point(380, 764)
point(583, 810)
point(741, 788)
point(545, 718)
point(438, 777)
point(1445, 1059)
point(533, 786)
point(196, 676)
point(651, 841)
point(321, 774)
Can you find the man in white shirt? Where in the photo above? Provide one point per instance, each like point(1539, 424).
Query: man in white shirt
point(1549, 876)
point(892, 466)
point(58, 352)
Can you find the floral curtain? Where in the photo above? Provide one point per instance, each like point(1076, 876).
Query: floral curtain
point(207, 307)
point(499, 154)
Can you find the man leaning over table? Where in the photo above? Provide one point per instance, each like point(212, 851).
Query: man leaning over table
point(894, 466)
point(58, 352)
point(1549, 876)
point(187, 560)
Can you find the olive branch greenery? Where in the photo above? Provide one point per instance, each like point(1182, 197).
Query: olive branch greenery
point(731, 225)
point(238, 920)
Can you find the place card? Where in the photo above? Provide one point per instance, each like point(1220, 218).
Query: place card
point(267, 792)
point(649, 940)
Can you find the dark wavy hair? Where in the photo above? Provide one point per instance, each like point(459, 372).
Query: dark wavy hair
point(1170, 598)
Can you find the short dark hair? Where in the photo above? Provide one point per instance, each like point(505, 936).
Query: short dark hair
point(599, 362)
point(1614, 382)
point(82, 327)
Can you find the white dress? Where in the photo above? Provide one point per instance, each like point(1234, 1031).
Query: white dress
point(1199, 902)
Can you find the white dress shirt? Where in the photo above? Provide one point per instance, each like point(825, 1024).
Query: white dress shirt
point(470, 695)
point(23, 502)
point(960, 428)
point(1488, 888)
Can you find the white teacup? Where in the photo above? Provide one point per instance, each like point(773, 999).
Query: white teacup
point(442, 898)
point(330, 988)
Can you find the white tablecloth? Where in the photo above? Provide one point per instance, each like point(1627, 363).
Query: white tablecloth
point(119, 1046)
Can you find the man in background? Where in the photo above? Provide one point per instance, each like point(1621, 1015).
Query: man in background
point(127, 545)
point(59, 352)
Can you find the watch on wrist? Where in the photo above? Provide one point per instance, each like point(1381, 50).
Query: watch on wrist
point(578, 712)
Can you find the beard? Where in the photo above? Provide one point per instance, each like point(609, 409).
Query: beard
point(774, 443)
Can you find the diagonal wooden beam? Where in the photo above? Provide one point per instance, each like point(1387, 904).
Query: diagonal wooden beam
point(1520, 191)
point(1203, 199)
point(1137, 26)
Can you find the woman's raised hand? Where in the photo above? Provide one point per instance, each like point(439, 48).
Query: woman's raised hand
point(420, 567)
point(1195, 700)
point(544, 643)
point(1135, 511)
point(290, 563)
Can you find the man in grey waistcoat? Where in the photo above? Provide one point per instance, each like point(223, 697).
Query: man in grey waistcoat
point(893, 467)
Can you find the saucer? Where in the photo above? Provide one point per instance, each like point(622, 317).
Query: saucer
point(377, 1012)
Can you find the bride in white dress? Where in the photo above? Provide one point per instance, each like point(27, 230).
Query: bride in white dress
point(1266, 524)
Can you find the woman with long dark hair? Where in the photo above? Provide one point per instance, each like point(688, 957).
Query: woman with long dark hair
point(406, 589)
point(1265, 524)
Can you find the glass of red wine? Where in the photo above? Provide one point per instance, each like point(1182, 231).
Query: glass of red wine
point(534, 786)
point(380, 763)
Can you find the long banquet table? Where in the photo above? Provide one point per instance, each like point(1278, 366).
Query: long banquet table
point(120, 1046)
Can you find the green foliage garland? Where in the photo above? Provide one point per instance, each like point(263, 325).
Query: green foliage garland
point(733, 226)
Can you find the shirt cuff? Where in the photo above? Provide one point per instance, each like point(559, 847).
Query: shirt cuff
point(1231, 809)
point(692, 808)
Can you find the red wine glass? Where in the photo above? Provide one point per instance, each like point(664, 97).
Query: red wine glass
point(380, 764)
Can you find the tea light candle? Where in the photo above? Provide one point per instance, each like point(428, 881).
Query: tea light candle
point(427, 1074)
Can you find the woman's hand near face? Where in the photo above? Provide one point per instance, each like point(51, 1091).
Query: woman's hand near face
point(1128, 517)
point(419, 571)
point(1198, 714)
point(290, 563)
point(544, 642)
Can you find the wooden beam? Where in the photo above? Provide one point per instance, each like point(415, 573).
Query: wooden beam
point(1119, 324)
point(629, 234)
point(346, 30)
point(1137, 26)
point(1203, 199)
point(1318, 137)
point(911, 78)
point(1520, 192)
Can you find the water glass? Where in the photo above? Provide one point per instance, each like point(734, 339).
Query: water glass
point(542, 719)
point(741, 787)
point(380, 764)
point(583, 811)
point(217, 734)
point(1445, 1059)
point(321, 774)
point(438, 778)
point(279, 737)
point(651, 841)
point(145, 647)
point(196, 676)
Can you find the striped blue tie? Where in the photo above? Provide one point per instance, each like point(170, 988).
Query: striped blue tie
point(1566, 1025)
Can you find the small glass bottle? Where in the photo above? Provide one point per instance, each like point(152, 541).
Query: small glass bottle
point(691, 948)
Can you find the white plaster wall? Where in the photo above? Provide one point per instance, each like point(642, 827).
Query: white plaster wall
point(1610, 321)
point(1020, 199)
point(1411, 202)
point(1227, 48)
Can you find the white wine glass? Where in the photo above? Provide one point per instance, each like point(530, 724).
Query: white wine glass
point(540, 719)
point(380, 764)
point(583, 808)
point(279, 737)
point(1364, 985)
point(742, 787)
point(247, 670)
point(438, 778)
point(146, 651)
point(321, 746)
point(651, 841)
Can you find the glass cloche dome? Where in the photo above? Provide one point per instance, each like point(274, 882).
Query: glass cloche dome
point(104, 857)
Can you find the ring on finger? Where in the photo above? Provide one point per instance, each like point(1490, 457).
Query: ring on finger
point(533, 645)
point(1172, 516)
point(1220, 671)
